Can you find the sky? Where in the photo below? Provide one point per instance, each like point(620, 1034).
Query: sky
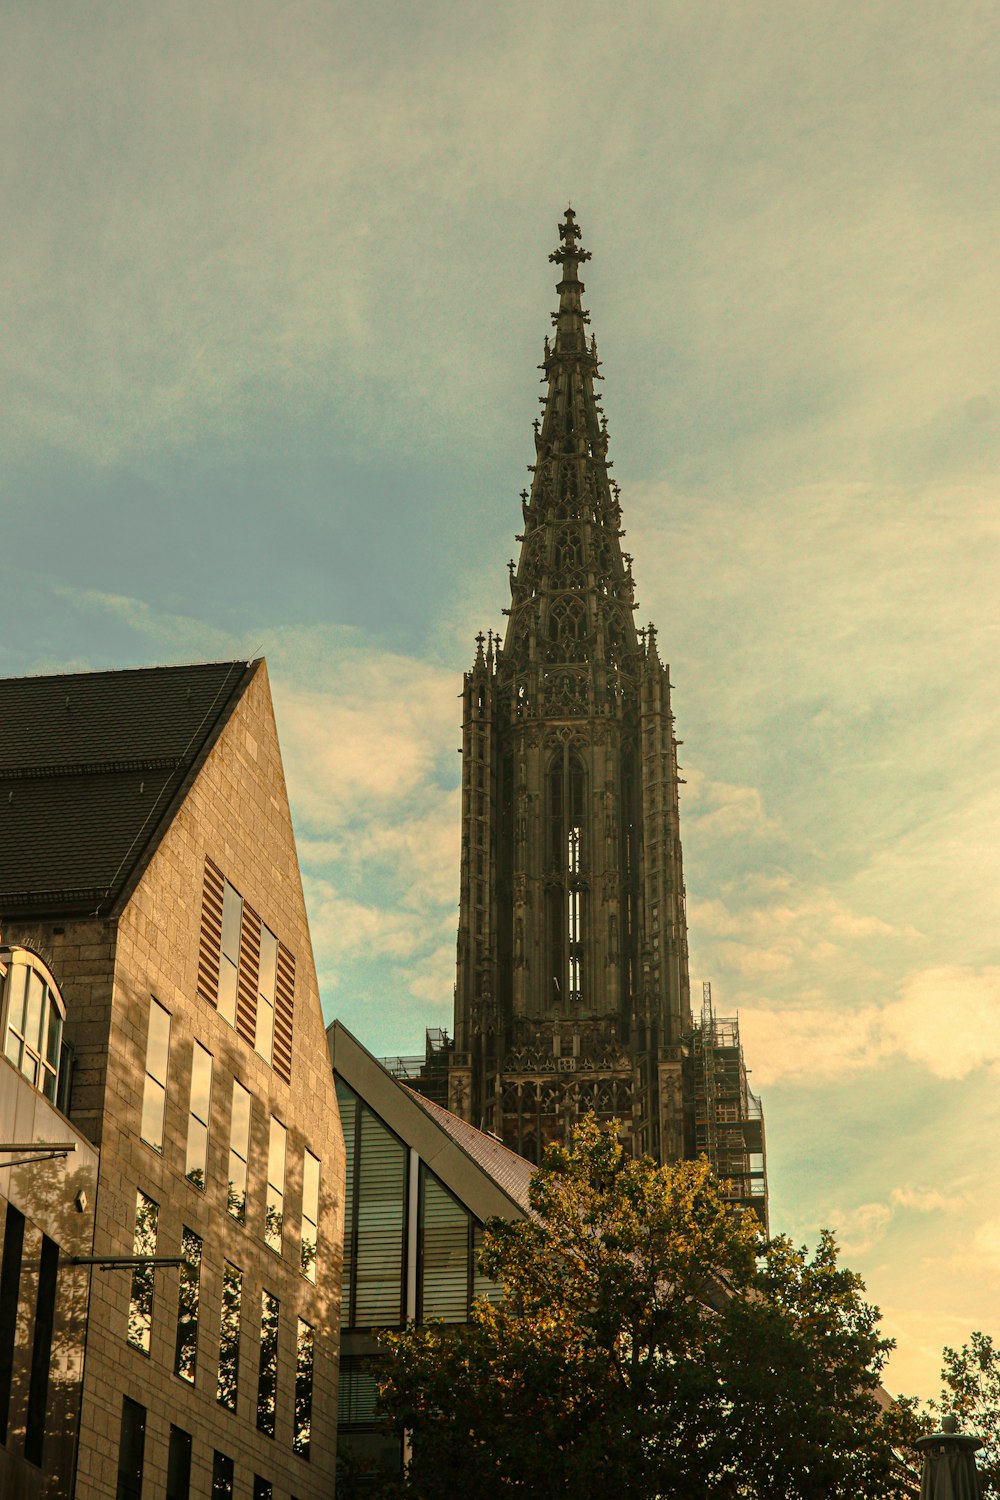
point(274, 285)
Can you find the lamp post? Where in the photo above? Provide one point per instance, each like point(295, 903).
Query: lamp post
point(950, 1471)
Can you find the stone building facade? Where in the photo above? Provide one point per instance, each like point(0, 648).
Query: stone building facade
point(148, 863)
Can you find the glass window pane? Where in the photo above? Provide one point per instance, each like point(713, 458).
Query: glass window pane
point(275, 1206)
point(53, 1034)
point(33, 1011)
point(239, 1147)
point(153, 1101)
point(201, 1082)
point(179, 1465)
point(131, 1450)
point(232, 918)
point(140, 1309)
point(264, 1033)
point(302, 1433)
point(186, 1353)
point(158, 1044)
point(16, 989)
point(227, 991)
point(222, 1477)
point(310, 1214)
point(268, 963)
point(229, 1337)
point(268, 1377)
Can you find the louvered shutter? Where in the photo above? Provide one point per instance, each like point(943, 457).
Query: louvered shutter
point(246, 990)
point(444, 1279)
point(210, 947)
point(381, 1223)
point(284, 1006)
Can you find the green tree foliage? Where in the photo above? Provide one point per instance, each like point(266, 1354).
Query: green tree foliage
point(650, 1343)
point(971, 1390)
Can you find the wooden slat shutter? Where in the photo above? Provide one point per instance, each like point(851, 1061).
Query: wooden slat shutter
point(284, 1008)
point(210, 947)
point(246, 990)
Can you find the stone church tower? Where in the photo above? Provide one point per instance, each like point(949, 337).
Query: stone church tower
point(572, 990)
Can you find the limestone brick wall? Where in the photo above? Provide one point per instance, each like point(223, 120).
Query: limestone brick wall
point(236, 814)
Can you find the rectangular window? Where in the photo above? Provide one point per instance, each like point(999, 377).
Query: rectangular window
point(239, 1151)
point(140, 1307)
point(41, 1351)
point(302, 1434)
point(154, 1094)
point(274, 1210)
point(131, 1448)
point(179, 1465)
point(10, 1282)
point(266, 980)
point(262, 1488)
point(229, 961)
point(229, 1337)
point(444, 1253)
point(186, 1353)
point(310, 1214)
point(222, 1477)
point(198, 1114)
point(268, 1381)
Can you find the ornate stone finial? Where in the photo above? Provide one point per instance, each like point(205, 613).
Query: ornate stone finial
point(480, 643)
point(569, 233)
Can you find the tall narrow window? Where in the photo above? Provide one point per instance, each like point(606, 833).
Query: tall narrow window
point(186, 1355)
point(179, 1465)
point(274, 1211)
point(444, 1253)
point(239, 1151)
point(10, 1282)
point(267, 1383)
point(267, 977)
point(310, 1214)
point(201, 1100)
point(154, 1094)
point(41, 1351)
point(140, 1307)
point(131, 1450)
point(262, 1488)
point(222, 1477)
point(229, 961)
point(229, 1337)
point(302, 1434)
point(566, 902)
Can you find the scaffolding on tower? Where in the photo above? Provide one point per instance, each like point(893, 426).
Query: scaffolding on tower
point(728, 1117)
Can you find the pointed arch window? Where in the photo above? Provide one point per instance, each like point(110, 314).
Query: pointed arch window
point(567, 894)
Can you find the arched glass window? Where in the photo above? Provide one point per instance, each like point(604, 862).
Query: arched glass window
point(566, 902)
point(33, 1014)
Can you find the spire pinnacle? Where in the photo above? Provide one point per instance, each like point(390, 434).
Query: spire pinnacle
point(571, 317)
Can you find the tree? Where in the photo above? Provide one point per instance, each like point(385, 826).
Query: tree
point(971, 1377)
point(650, 1343)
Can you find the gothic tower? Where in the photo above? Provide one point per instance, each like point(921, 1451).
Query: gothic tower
point(572, 988)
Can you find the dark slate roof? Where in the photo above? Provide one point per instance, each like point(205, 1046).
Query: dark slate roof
point(512, 1172)
point(93, 767)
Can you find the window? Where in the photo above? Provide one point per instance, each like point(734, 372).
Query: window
point(310, 1215)
point(274, 1210)
point(222, 1477)
point(262, 1488)
point(131, 1448)
point(140, 1307)
point(198, 1114)
point(33, 1014)
point(302, 1434)
point(154, 1094)
point(267, 1383)
point(266, 980)
point(229, 1337)
point(374, 1217)
point(186, 1353)
point(179, 1465)
point(10, 1283)
point(444, 1257)
point(239, 1150)
point(229, 959)
point(41, 1352)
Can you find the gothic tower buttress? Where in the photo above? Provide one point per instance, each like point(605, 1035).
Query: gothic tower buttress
point(572, 989)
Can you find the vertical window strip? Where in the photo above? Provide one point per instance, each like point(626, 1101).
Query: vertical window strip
point(266, 979)
point(239, 1151)
point(140, 1307)
point(41, 1351)
point(310, 1215)
point(284, 1014)
point(229, 1337)
point(179, 1465)
point(246, 988)
point(210, 946)
point(154, 1094)
point(274, 1210)
point(198, 1116)
point(131, 1450)
point(348, 1103)
point(10, 1283)
point(444, 1253)
point(304, 1347)
point(229, 952)
point(267, 1382)
point(381, 1224)
point(222, 1477)
point(189, 1296)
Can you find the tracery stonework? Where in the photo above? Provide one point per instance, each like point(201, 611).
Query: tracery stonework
point(572, 989)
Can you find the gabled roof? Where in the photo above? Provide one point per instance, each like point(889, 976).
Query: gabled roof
point(479, 1171)
point(93, 767)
